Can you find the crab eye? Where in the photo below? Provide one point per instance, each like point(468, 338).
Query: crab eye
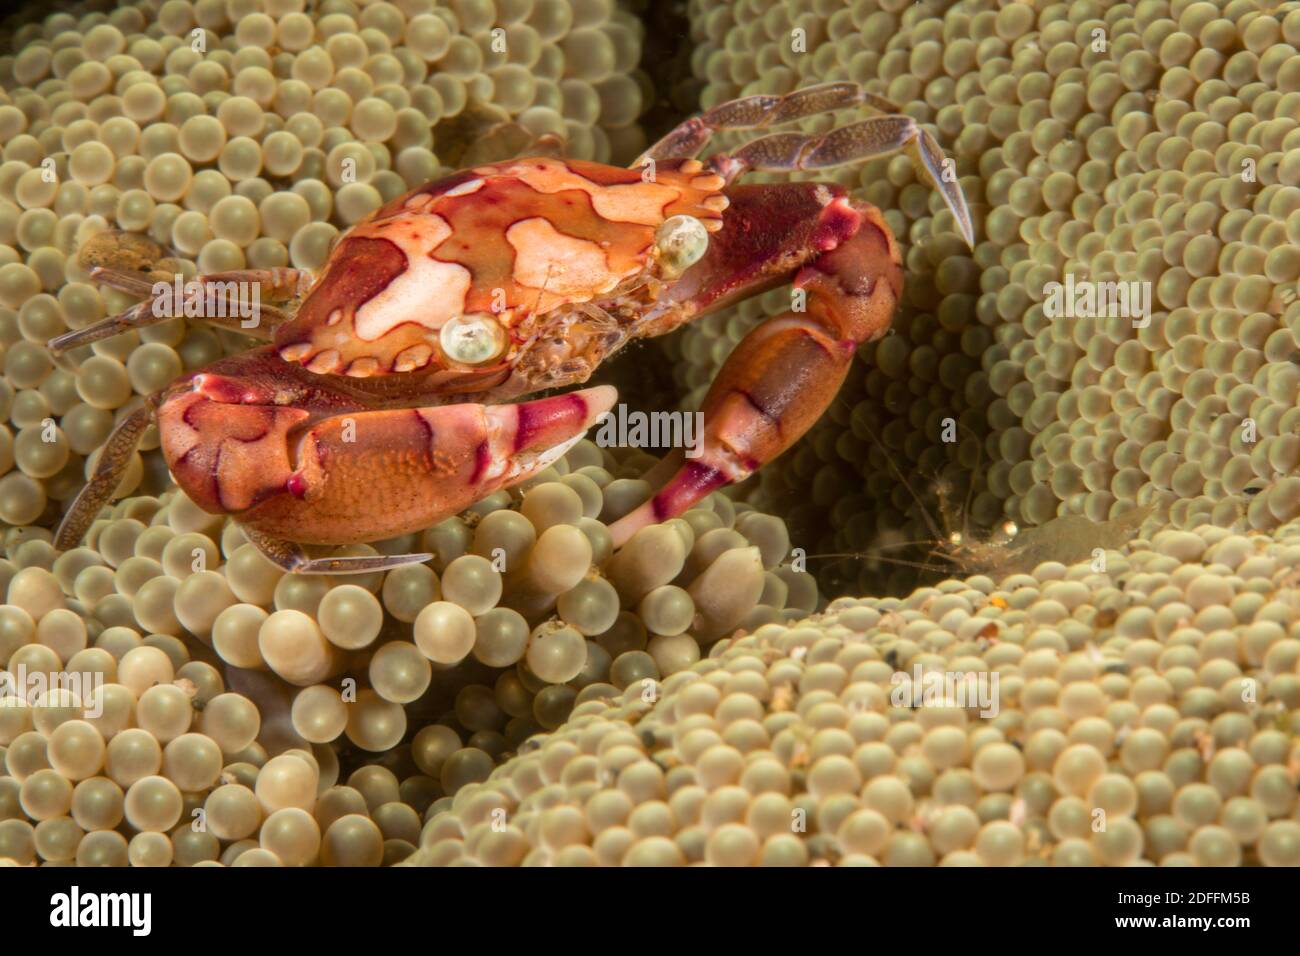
point(472, 339)
point(682, 240)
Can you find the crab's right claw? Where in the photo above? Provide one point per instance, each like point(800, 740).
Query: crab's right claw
point(356, 477)
point(525, 438)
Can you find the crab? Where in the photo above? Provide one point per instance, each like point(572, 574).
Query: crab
point(383, 396)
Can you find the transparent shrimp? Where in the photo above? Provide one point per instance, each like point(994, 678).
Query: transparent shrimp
point(954, 549)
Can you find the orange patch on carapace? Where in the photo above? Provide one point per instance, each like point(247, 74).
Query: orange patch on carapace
point(518, 239)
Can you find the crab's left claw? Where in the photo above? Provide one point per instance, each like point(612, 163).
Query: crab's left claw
point(357, 477)
point(783, 375)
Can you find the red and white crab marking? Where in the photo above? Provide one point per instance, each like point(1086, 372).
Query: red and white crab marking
point(513, 240)
point(406, 298)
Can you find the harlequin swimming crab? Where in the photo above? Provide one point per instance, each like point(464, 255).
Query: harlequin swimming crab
point(376, 407)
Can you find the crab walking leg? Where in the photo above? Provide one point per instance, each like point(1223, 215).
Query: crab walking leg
point(277, 284)
point(363, 475)
point(114, 459)
point(760, 112)
point(225, 303)
point(289, 556)
point(877, 136)
point(781, 377)
point(137, 316)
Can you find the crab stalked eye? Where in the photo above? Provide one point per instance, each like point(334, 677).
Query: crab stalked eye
point(681, 240)
point(472, 339)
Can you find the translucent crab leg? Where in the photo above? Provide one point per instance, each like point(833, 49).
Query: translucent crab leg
point(876, 136)
point(277, 283)
point(761, 112)
point(139, 316)
point(114, 459)
point(292, 558)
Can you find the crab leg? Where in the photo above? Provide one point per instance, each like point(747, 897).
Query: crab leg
point(112, 465)
point(875, 136)
point(782, 376)
point(288, 556)
point(760, 112)
point(227, 288)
